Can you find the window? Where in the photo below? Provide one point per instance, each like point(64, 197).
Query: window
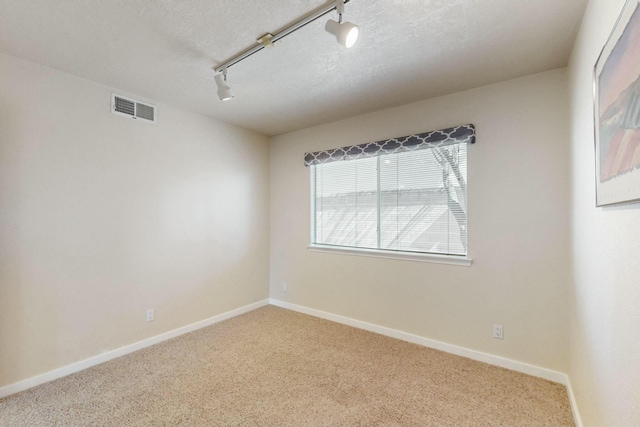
point(409, 196)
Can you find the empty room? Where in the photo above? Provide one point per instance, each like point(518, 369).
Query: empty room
point(313, 212)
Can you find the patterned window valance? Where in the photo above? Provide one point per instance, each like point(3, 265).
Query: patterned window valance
point(436, 138)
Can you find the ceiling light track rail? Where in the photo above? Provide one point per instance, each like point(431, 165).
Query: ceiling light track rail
point(346, 34)
point(326, 9)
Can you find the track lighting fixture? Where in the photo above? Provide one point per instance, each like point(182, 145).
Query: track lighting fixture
point(224, 91)
point(345, 32)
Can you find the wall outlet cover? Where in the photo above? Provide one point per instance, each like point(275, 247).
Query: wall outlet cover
point(498, 332)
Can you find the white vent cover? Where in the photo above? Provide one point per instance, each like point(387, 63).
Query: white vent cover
point(132, 108)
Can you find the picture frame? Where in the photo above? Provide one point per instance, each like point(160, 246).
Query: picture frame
point(617, 111)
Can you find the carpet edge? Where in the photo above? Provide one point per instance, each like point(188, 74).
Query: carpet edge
point(72, 368)
point(503, 362)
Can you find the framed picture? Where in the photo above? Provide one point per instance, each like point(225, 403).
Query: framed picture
point(617, 111)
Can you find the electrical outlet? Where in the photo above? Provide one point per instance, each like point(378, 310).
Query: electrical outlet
point(497, 332)
point(285, 287)
point(151, 315)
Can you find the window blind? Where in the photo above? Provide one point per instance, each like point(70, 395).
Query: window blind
point(407, 201)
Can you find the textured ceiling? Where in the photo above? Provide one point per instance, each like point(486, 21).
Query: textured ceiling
point(408, 50)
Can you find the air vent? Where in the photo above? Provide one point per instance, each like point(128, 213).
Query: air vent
point(132, 108)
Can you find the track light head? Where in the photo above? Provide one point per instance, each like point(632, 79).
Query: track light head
point(224, 91)
point(346, 33)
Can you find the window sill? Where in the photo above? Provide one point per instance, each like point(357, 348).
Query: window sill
point(406, 256)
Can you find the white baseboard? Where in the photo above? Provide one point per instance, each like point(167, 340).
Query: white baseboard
point(503, 362)
point(104, 357)
point(514, 365)
point(574, 404)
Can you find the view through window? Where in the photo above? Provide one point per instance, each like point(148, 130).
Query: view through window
point(412, 201)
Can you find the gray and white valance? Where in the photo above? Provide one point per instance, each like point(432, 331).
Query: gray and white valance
point(437, 138)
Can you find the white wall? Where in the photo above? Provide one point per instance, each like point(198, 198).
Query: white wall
point(102, 217)
point(518, 226)
point(605, 313)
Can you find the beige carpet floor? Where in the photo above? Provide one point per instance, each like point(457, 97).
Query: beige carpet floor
point(277, 367)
